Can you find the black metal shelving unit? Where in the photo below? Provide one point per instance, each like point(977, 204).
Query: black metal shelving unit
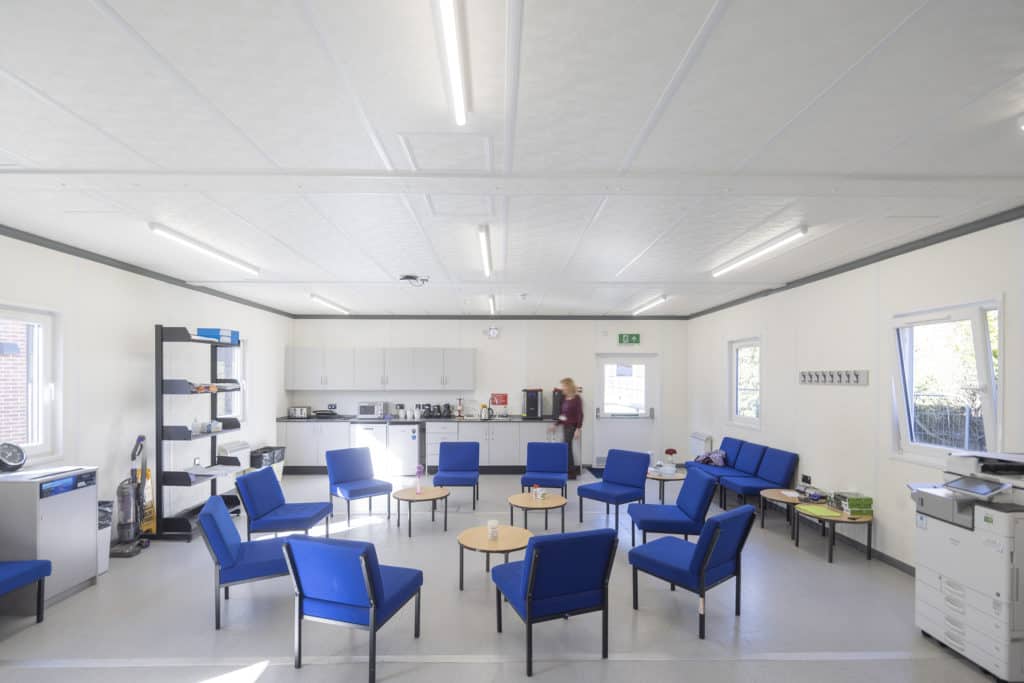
point(181, 525)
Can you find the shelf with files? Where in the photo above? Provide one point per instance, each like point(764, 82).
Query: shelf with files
point(183, 387)
point(183, 334)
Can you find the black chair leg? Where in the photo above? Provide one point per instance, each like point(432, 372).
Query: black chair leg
point(41, 600)
point(737, 590)
point(671, 586)
point(636, 604)
point(216, 605)
point(227, 592)
point(645, 536)
point(581, 509)
point(497, 604)
point(632, 534)
point(370, 501)
point(700, 608)
point(416, 618)
point(348, 511)
point(373, 654)
point(298, 634)
point(529, 649)
point(616, 519)
point(604, 632)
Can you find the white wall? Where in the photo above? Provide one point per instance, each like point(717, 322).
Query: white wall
point(528, 353)
point(844, 434)
point(105, 318)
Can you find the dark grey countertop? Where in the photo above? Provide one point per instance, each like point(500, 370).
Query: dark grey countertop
point(514, 418)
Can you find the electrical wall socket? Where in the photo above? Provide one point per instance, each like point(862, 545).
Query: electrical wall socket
point(805, 479)
point(332, 406)
point(848, 378)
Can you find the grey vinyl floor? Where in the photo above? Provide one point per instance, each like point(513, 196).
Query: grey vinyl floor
point(150, 618)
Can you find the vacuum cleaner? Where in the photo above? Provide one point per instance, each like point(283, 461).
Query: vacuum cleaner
point(130, 505)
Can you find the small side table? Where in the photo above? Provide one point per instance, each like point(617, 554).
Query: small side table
point(779, 496)
point(509, 540)
point(526, 502)
point(830, 520)
point(430, 494)
point(662, 478)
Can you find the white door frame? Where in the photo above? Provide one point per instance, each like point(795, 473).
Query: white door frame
point(651, 438)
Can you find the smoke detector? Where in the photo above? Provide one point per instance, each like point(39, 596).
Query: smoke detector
point(415, 280)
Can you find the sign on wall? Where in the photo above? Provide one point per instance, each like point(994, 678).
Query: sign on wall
point(629, 337)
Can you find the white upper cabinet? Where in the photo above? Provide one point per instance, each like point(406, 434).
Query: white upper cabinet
point(369, 370)
point(305, 368)
point(400, 369)
point(459, 369)
point(339, 368)
point(428, 365)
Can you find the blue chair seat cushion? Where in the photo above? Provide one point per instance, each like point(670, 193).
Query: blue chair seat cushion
point(552, 479)
point(361, 488)
point(14, 575)
point(456, 478)
point(664, 519)
point(669, 558)
point(606, 492)
point(256, 559)
point(716, 472)
point(747, 486)
point(292, 517)
point(399, 585)
point(508, 578)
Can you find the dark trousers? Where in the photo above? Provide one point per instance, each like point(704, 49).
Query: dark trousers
point(568, 435)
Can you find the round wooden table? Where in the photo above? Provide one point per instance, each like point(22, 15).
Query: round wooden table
point(527, 502)
point(830, 519)
point(509, 540)
point(779, 496)
point(661, 478)
point(430, 494)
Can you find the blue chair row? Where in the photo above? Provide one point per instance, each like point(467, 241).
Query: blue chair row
point(749, 468)
point(267, 511)
point(19, 573)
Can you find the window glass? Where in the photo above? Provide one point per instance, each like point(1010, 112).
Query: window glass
point(25, 389)
point(747, 381)
point(231, 366)
point(625, 389)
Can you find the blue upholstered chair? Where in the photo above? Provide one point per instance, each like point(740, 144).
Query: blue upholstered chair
point(266, 510)
point(458, 464)
point(685, 517)
point(547, 464)
point(342, 582)
point(562, 575)
point(774, 472)
point(697, 567)
point(19, 573)
point(235, 561)
point(350, 475)
point(625, 476)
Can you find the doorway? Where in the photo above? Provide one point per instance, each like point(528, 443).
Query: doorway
point(628, 404)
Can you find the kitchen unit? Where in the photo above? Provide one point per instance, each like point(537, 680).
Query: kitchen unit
point(306, 441)
point(395, 448)
point(378, 369)
point(438, 431)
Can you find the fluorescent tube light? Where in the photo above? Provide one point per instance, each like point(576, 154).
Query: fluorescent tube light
point(328, 303)
point(453, 57)
point(174, 235)
point(494, 309)
point(651, 304)
point(484, 233)
point(763, 250)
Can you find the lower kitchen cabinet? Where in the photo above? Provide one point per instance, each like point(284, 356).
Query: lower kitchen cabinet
point(499, 442)
point(306, 442)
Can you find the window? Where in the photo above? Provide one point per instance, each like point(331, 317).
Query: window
point(949, 370)
point(625, 389)
point(26, 389)
point(745, 381)
point(231, 366)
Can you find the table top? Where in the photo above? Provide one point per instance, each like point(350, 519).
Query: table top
point(659, 476)
point(429, 493)
point(778, 496)
point(837, 516)
point(509, 538)
point(526, 501)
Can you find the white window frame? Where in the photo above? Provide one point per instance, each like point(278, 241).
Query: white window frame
point(47, 386)
point(243, 394)
point(992, 393)
point(734, 417)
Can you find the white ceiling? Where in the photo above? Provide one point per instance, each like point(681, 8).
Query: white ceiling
point(619, 151)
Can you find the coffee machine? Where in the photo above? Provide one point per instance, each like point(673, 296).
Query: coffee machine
point(533, 404)
point(557, 396)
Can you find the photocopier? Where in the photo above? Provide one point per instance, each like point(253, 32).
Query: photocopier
point(969, 551)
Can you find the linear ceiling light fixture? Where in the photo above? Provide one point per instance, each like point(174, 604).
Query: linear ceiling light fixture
point(453, 58)
point(494, 308)
point(761, 251)
point(484, 233)
point(651, 304)
point(329, 304)
point(174, 235)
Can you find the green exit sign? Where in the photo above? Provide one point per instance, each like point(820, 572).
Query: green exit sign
point(629, 338)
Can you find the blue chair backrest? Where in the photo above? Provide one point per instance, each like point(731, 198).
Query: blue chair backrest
point(749, 457)
point(627, 468)
point(260, 491)
point(220, 532)
point(547, 456)
point(330, 569)
point(733, 527)
point(349, 464)
point(695, 496)
point(568, 563)
point(778, 466)
point(459, 456)
point(731, 447)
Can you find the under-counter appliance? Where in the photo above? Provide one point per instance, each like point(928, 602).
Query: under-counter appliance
point(533, 404)
point(49, 514)
point(299, 412)
point(372, 410)
point(395, 449)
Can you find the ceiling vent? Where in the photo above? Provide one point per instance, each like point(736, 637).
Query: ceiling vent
point(414, 280)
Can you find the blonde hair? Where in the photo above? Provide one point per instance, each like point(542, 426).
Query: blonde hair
point(570, 386)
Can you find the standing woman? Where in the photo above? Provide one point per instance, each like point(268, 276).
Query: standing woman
point(571, 419)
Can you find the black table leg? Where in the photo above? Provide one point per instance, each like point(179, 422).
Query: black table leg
point(526, 515)
point(410, 519)
point(796, 529)
point(511, 515)
point(487, 562)
point(462, 564)
point(869, 540)
point(831, 540)
point(563, 520)
point(433, 510)
point(762, 511)
point(446, 514)
point(545, 520)
point(661, 491)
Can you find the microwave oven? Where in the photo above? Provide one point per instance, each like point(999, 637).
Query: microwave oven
point(373, 410)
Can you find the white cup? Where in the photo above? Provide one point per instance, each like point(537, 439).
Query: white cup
point(492, 529)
